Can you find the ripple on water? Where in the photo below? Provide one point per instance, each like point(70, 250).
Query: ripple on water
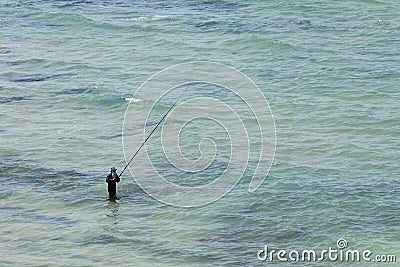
point(9, 99)
point(16, 214)
point(36, 78)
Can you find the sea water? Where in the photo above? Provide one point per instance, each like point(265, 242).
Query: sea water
point(330, 71)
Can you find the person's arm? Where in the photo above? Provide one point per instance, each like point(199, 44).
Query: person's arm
point(108, 179)
point(117, 179)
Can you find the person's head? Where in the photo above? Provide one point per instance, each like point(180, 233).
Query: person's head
point(113, 169)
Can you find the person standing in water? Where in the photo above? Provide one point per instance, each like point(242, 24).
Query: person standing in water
point(112, 180)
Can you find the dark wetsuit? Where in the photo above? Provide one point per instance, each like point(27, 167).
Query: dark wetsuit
point(112, 185)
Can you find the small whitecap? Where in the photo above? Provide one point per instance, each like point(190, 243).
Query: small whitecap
point(138, 18)
point(151, 18)
point(131, 99)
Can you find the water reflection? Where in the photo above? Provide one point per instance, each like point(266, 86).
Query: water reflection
point(112, 214)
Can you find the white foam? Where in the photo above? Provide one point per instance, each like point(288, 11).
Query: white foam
point(131, 99)
point(152, 18)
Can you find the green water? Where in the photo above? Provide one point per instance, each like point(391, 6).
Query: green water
point(330, 73)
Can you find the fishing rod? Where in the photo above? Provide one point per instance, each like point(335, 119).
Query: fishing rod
point(147, 138)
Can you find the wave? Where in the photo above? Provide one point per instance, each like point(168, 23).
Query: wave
point(132, 99)
point(148, 18)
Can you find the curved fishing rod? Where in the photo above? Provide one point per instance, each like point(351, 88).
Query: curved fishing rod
point(147, 138)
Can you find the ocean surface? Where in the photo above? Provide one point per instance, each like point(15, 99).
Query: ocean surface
point(330, 71)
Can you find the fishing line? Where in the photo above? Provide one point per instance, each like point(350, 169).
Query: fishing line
point(147, 138)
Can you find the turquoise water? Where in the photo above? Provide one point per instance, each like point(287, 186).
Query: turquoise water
point(330, 72)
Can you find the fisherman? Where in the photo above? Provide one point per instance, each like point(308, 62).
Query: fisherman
point(112, 180)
